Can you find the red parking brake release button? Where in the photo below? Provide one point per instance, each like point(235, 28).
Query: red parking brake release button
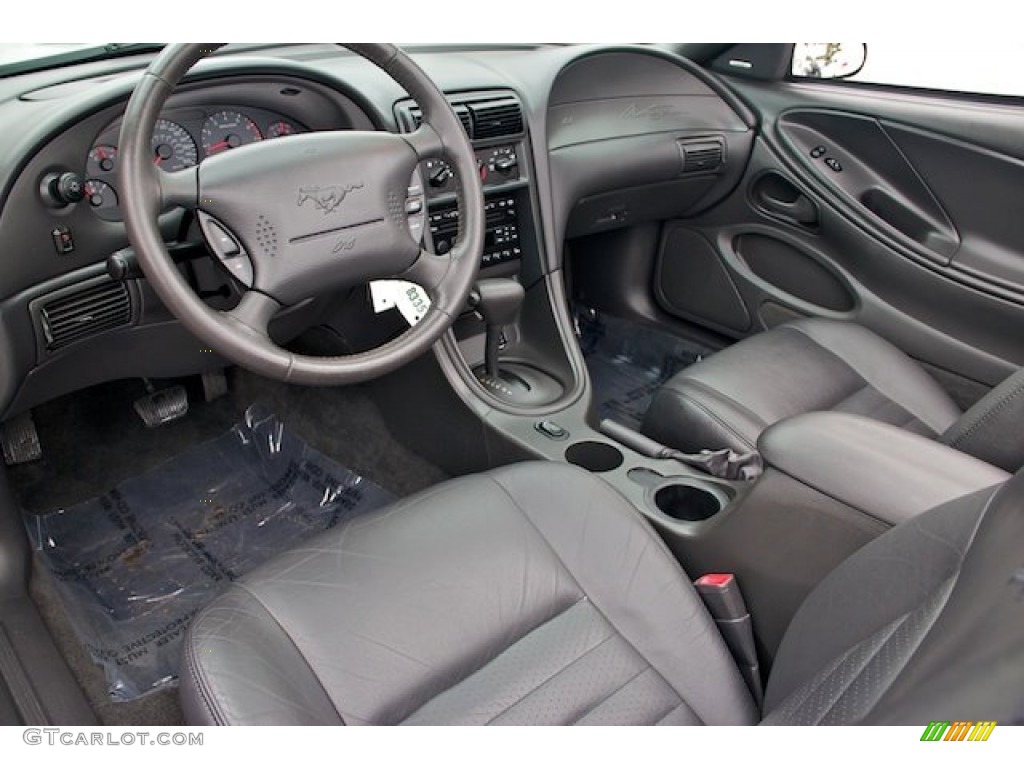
point(715, 580)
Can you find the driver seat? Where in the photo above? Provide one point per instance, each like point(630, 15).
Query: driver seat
point(535, 594)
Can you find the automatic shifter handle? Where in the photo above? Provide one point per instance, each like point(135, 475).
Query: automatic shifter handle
point(498, 301)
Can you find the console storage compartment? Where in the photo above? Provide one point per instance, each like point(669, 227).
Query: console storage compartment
point(881, 470)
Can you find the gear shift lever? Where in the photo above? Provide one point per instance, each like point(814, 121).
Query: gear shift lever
point(498, 301)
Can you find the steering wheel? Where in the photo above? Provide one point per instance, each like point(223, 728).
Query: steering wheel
point(302, 215)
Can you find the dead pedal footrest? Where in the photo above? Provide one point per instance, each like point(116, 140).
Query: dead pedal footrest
point(20, 440)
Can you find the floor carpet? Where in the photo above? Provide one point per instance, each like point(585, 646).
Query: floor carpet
point(93, 440)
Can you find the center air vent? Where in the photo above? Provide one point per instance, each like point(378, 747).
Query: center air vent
point(414, 118)
point(703, 156)
point(502, 117)
point(484, 115)
point(82, 311)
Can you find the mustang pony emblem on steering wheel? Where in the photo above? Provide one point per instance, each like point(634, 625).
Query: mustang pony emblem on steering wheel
point(326, 199)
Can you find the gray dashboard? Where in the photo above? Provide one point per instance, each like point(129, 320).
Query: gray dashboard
point(607, 132)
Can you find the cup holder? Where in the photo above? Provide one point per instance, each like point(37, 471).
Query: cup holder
point(689, 501)
point(594, 456)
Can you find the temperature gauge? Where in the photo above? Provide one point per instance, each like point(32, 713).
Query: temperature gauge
point(102, 159)
point(280, 128)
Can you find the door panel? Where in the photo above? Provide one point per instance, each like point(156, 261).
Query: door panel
point(916, 230)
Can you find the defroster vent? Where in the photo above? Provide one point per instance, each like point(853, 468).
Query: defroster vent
point(82, 311)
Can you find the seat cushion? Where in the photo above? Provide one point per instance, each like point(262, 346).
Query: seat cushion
point(923, 623)
point(814, 364)
point(533, 593)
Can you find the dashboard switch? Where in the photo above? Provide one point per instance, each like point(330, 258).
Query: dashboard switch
point(62, 240)
point(552, 429)
point(818, 151)
point(222, 241)
point(834, 164)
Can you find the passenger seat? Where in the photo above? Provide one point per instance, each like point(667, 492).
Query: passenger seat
point(816, 364)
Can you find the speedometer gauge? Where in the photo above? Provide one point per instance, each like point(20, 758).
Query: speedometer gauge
point(173, 147)
point(228, 129)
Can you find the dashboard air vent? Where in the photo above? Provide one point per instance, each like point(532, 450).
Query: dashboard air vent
point(500, 117)
point(484, 114)
point(702, 156)
point(84, 311)
point(415, 118)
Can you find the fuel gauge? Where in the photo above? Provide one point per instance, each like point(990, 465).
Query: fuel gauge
point(102, 198)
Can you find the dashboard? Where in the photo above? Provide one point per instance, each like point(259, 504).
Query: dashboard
point(569, 140)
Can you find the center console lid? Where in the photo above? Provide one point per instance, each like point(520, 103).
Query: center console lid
point(882, 470)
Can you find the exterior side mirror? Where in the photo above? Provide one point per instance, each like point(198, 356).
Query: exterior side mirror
point(828, 61)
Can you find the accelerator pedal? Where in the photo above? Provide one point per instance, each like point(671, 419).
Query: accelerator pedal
point(162, 406)
point(20, 440)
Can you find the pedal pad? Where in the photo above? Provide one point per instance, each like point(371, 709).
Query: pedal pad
point(20, 440)
point(215, 384)
point(162, 406)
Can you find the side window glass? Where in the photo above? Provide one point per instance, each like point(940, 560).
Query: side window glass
point(982, 68)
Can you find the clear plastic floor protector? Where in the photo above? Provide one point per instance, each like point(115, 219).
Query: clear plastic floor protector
point(628, 362)
point(133, 567)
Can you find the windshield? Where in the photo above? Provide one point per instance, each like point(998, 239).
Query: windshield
point(16, 53)
point(27, 57)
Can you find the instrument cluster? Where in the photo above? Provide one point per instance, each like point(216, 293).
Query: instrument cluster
point(181, 138)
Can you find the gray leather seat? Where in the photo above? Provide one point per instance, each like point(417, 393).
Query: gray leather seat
point(815, 364)
point(536, 594)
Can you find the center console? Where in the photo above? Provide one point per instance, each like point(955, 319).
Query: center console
point(830, 483)
point(504, 346)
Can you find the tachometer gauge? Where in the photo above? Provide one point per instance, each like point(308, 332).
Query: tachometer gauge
point(227, 130)
point(173, 147)
point(280, 128)
point(102, 199)
point(102, 159)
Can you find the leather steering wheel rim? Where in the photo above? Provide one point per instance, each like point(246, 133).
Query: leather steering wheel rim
point(361, 183)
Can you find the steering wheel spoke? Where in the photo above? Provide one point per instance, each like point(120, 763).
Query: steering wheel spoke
point(179, 188)
point(429, 271)
point(425, 142)
point(254, 311)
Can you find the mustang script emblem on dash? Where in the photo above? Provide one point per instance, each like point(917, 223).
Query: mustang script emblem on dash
point(326, 199)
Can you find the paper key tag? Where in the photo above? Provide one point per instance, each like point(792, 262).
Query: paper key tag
point(411, 300)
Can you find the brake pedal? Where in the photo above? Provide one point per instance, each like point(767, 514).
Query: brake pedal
point(162, 406)
point(20, 440)
point(215, 384)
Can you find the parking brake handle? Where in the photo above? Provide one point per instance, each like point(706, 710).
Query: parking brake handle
point(724, 463)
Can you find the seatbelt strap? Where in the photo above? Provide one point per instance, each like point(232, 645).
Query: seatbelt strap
point(721, 594)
